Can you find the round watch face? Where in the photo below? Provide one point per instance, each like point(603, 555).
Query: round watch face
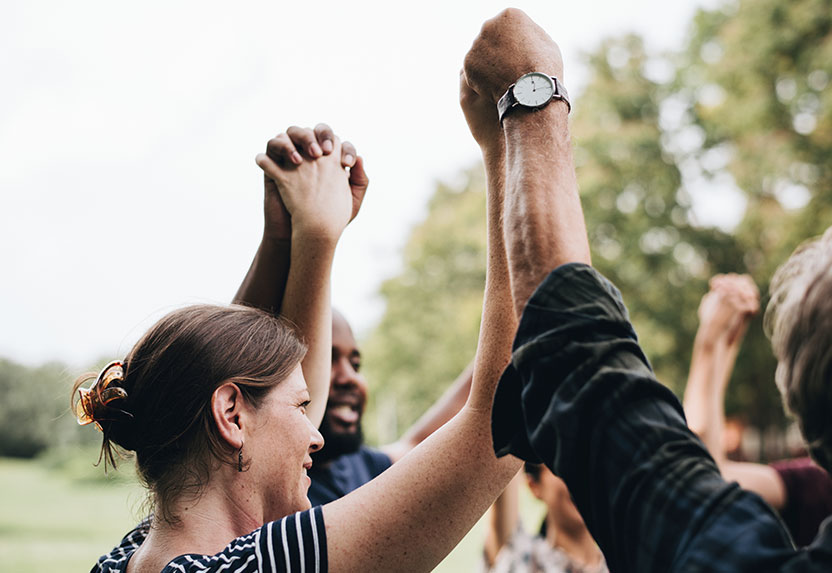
point(534, 89)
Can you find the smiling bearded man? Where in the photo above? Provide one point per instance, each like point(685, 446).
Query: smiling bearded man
point(345, 463)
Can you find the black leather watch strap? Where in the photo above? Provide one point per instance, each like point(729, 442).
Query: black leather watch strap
point(506, 102)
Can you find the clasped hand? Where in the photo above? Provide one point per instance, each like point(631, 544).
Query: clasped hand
point(726, 309)
point(308, 188)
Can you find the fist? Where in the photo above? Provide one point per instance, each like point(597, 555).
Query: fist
point(482, 118)
point(729, 305)
point(508, 46)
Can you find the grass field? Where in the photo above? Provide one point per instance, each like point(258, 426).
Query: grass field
point(59, 514)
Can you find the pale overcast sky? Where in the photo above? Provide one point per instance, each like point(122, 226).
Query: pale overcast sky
point(128, 133)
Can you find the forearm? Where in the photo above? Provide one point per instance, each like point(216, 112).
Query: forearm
point(499, 324)
point(711, 366)
point(307, 305)
point(423, 504)
point(762, 479)
point(714, 438)
point(428, 501)
point(265, 283)
point(712, 363)
point(544, 224)
point(702, 397)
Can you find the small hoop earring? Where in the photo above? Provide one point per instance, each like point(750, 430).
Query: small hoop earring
point(240, 460)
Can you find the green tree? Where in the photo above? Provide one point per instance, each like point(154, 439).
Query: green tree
point(754, 79)
point(747, 111)
point(428, 333)
point(638, 209)
point(34, 412)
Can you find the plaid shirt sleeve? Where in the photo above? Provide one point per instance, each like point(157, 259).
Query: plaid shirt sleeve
point(580, 396)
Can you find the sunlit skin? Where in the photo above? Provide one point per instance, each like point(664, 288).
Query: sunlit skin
point(281, 441)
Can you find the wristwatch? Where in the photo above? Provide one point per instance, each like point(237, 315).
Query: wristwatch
point(534, 91)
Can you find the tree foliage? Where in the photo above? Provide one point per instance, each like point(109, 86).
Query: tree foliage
point(429, 330)
point(637, 208)
point(34, 411)
point(754, 78)
point(746, 110)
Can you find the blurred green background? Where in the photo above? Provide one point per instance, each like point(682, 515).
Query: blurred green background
point(734, 129)
point(666, 144)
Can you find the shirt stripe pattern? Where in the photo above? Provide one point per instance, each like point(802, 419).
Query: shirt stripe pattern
point(295, 544)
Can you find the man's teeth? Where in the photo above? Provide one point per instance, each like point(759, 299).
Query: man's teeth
point(345, 413)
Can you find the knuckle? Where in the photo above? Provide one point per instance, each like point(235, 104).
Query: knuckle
point(323, 129)
point(303, 135)
point(279, 143)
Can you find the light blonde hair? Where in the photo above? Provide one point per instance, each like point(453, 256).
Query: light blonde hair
point(798, 321)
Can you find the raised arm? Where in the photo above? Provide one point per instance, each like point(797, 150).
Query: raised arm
point(544, 224)
point(265, 282)
point(418, 510)
point(590, 407)
point(723, 318)
point(320, 198)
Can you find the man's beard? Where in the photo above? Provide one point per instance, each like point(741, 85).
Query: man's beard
point(337, 444)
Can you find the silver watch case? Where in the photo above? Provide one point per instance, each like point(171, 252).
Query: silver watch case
point(510, 101)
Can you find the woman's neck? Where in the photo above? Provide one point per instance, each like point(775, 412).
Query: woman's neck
point(205, 525)
point(575, 542)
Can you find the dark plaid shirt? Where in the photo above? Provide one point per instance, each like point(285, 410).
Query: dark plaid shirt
point(580, 396)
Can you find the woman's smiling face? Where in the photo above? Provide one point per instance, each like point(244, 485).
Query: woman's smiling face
point(278, 447)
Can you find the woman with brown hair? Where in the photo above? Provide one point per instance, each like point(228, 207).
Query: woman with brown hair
point(214, 403)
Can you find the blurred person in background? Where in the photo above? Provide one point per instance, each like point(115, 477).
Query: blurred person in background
point(562, 545)
point(346, 462)
point(798, 488)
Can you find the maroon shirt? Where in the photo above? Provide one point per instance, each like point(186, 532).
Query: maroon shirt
point(808, 497)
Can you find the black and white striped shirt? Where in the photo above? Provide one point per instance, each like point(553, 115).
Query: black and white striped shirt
point(296, 543)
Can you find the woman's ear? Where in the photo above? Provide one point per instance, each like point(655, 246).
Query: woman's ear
point(227, 404)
